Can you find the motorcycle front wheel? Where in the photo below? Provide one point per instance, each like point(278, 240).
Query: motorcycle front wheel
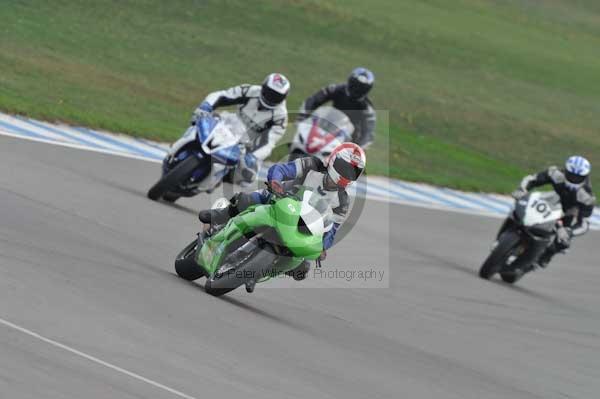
point(174, 177)
point(499, 255)
point(185, 264)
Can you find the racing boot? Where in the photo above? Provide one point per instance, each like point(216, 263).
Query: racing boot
point(214, 216)
point(237, 203)
point(250, 285)
point(299, 272)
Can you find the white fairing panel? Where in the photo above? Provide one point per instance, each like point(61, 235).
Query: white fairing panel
point(220, 138)
point(317, 139)
point(312, 218)
point(237, 127)
point(542, 208)
point(228, 132)
point(336, 117)
point(230, 127)
point(316, 212)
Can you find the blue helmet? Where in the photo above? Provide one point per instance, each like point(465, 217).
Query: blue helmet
point(360, 81)
point(577, 169)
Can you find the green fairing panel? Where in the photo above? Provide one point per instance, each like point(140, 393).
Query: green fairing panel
point(213, 250)
point(287, 213)
point(283, 216)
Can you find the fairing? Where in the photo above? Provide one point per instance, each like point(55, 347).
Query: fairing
point(324, 130)
point(210, 138)
point(282, 217)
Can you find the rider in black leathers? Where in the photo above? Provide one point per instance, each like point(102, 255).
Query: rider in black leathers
point(572, 184)
point(350, 98)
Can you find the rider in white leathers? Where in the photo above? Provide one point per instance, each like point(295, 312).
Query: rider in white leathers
point(263, 111)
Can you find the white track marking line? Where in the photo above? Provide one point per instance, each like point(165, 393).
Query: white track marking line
point(95, 359)
point(80, 147)
point(371, 191)
point(20, 124)
point(94, 142)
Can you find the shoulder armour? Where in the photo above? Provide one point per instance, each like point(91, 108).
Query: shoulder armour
point(331, 88)
point(312, 163)
point(280, 112)
point(556, 175)
point(586, 198)
point(252, 90)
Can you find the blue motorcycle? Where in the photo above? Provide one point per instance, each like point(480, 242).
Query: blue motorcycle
point(199, 160)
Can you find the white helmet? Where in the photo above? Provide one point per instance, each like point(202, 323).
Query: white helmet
point(275, 89)
point(346, 163)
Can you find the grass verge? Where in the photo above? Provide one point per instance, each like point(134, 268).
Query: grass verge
point(478, 92)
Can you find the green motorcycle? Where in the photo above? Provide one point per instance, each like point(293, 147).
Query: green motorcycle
point(260, 243)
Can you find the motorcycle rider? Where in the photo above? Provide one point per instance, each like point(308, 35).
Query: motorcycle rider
point(350, 98)
point(263, 111)
point(572, 184)
point(344, 166)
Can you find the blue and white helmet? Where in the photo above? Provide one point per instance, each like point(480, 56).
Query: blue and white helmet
point(577, 169)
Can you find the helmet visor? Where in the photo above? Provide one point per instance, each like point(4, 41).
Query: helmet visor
point(346, 169)
point(270, 97)
point(358, 89)
point(573, 178)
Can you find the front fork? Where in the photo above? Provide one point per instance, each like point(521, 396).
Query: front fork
point(508, 223)
point(533, 249)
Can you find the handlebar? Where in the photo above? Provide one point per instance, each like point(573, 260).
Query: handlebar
point(285, 194)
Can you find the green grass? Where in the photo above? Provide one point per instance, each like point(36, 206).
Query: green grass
point(479, 92)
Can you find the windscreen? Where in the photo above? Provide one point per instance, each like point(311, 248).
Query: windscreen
point(333, 121)
point(321, 206)
point(552, 199)
point(237, 127)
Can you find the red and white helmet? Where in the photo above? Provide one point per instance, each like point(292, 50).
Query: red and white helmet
point(346, 163)
point(275, 89)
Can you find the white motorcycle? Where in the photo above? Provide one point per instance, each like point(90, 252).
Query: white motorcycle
point(320, 133)
point(524, 236)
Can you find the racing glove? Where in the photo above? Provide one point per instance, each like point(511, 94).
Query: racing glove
point(563, 235)
point(518, 194)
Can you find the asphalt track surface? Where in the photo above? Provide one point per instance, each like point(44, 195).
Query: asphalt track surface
point(86, 264)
